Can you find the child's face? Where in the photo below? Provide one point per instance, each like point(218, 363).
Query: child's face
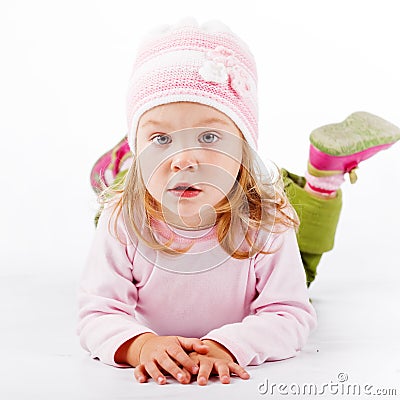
point(182, 144)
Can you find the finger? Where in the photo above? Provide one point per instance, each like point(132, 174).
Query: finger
point(188, 375)
point(206, 367)
point(178, 354)
point(172, 368)
point(201, 348)
point(193, 344)
point(223, 371)
point(195, 357)
point(140, 373)
point(238, 370)
point(153, 370)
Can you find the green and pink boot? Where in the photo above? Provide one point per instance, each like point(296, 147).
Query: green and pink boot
point(337, 149)
point(109, 167)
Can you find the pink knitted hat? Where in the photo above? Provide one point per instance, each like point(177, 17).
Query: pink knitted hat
point(205, 64)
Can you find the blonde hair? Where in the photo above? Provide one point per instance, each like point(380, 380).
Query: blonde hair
point(255, 202)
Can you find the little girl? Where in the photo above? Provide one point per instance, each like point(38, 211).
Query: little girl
point(199, 264)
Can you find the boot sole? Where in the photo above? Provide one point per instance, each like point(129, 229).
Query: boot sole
point(359, 132)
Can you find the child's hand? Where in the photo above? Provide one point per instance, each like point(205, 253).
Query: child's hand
point(166, 353)
point(219, 361)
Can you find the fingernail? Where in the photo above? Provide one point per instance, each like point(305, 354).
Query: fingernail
point(195, 369)
point(141, 379)
point(202, 381)
point(225, 379)
point(160, 379)
point(179, 376)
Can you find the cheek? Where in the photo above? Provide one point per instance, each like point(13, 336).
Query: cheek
point(227, 164)
point(155, 179)
point(220, 172)
point(233, 168)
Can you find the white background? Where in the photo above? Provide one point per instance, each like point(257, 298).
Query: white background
point(63, 78)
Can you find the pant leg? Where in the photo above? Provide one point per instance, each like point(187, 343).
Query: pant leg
point(318, 221)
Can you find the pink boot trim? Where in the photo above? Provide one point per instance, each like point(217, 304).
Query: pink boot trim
point(107, 167)
point(325, 183)
point(99, 170)
point(321, 191)
point(326, 162)
point(119, 157)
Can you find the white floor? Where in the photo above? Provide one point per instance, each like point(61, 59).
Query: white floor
point(356, 296)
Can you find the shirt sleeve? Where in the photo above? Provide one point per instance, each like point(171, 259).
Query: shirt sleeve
point(107, 295)
point(281, 316)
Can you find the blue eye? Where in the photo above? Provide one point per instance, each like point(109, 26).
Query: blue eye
point(160, 139)
point(209, 137)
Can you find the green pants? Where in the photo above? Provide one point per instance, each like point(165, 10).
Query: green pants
point(318, 221)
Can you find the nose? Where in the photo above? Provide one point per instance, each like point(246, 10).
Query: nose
point(184, 160)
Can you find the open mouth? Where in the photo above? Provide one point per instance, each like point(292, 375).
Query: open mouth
point(185, 191)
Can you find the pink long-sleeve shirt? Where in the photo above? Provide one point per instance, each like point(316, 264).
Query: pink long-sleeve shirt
point(258, 308)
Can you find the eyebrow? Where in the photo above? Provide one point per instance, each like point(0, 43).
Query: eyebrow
point(203, 122)
point(153, 122)
point(212, 120)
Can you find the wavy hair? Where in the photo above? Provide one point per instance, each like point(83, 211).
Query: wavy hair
point(256, 201)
